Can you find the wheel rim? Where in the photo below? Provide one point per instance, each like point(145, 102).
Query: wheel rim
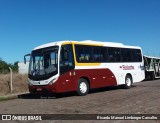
point(83, 87)
point(128, 82)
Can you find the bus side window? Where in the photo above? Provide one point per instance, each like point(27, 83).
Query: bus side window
point(105, 52)
point(126, 55)
point(111, 55)
point(83, 53)
point(117, 54)
point(136, 55)
point(98, 54)
point(66, 55)
point(139, 55)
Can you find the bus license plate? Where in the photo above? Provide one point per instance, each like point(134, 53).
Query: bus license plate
point(39, 89)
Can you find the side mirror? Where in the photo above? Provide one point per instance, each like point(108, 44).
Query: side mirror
point(25, 57)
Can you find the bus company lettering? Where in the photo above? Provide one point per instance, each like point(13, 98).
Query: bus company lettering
point(126, 67)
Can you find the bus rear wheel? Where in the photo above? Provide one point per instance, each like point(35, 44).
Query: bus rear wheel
point(152, 76)
point(83, 87)
point(128, 82)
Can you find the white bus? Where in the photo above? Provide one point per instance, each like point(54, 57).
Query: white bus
point(82, 65)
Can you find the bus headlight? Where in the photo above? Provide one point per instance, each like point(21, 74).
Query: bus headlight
point(53, 81)
point(29, 83)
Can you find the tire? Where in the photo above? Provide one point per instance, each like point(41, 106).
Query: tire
point(152, 76)
point(83, 87)
point(128, 82)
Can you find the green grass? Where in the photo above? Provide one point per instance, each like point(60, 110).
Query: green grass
point(3, 98)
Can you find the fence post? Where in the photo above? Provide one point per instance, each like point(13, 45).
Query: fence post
point(11, 87)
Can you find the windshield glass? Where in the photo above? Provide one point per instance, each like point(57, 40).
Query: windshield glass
point(44, 62)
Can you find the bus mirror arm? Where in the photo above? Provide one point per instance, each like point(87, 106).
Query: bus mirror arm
point(25, 57)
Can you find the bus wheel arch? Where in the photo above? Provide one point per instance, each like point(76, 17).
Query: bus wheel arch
point(128, 81)
point(83, 86)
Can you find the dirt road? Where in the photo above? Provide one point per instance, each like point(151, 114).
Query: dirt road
point(143, 98)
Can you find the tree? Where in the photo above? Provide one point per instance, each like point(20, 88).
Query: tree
point(3, 66)
point(15, 66)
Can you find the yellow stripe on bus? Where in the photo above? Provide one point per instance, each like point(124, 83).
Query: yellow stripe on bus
point(90, 44)
point(87, 64)
point(83, 64)
point(82, 43)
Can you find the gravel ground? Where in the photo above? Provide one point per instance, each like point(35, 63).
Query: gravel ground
point(142, 98)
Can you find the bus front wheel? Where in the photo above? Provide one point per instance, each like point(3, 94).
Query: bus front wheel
point(83, 87)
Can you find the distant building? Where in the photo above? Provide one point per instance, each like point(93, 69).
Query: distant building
point(23, 68)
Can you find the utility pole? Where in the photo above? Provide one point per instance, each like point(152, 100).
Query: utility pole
point(11, 87)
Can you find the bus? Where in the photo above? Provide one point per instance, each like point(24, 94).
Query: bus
point(79, 66)
point(152, 67)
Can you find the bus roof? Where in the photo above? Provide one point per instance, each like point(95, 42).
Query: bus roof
point(151, 57)
point(86, 42)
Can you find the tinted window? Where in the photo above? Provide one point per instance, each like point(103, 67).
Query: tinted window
point(98, 54)
point(83, 53)
point(43, 63)
point(139, 55)
point(107, 54)
point(114, 54)
point(117, 52)
point(66, 59)
point(126, 55)
point(136, 55)
point(111, 57)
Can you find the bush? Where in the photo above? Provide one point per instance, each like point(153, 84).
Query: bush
point(4, 67)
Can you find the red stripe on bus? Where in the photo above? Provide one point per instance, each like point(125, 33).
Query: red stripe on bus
point(69, 81)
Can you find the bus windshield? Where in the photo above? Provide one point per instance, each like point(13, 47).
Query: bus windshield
point(44, 62)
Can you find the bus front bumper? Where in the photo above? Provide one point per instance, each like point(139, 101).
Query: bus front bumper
point(42, 89)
